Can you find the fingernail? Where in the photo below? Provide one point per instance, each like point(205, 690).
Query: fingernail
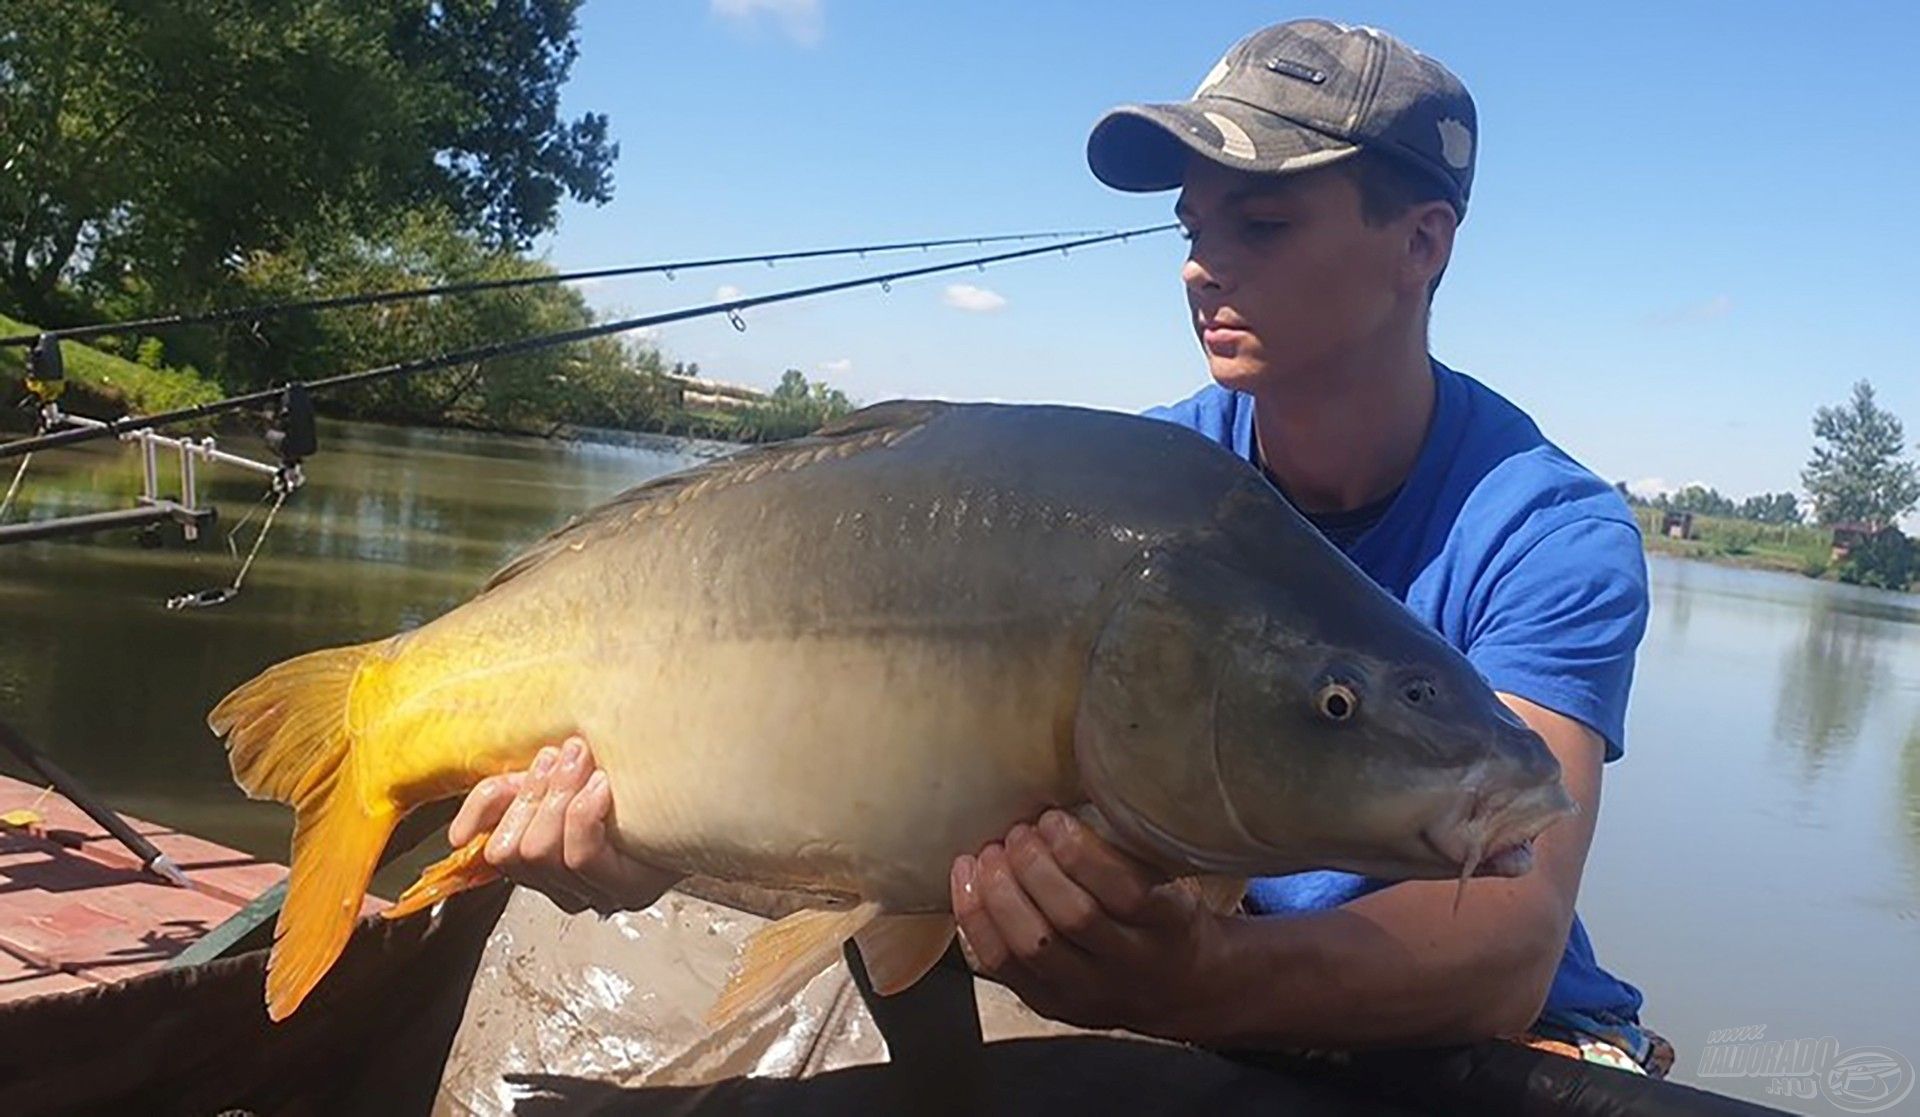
point(1053, 825)
point(1019, 835)
point(543, 763)
point(963, 875)
point(571, 753)
point(597, 782)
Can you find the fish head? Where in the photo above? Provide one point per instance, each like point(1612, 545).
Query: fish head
point(1235, 720)
point(1378, 753)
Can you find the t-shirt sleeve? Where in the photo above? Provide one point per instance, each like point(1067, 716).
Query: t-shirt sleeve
point(1562, 623)
point(1208, 411)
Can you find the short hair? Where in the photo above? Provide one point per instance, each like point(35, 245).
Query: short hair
point(1390, 187)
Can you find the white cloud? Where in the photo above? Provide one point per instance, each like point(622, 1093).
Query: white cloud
point(1718, 306)
point(979, 300)
point(800, 19)
point(1646, 488)
point(839, 367)
point(726, 293)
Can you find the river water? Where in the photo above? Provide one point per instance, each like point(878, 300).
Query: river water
point(1758, 858)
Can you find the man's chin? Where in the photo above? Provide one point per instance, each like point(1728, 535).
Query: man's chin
point(1239, 374)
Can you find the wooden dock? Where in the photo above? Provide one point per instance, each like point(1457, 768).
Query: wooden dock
point(76, 909)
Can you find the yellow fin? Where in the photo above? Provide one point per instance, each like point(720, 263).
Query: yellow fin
point(898, 950)
point(1218, 894)
point(780, 960)
point(458, 871)
point(288, 738)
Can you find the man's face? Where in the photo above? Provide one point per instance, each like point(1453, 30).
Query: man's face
point(1283, 274)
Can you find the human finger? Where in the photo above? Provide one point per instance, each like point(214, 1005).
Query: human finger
point(1035, 943)
point(1124, 887)
point(1061, 901)
point(608, 878)
point(483, 807)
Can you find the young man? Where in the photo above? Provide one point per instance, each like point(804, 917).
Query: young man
point(1322, 173)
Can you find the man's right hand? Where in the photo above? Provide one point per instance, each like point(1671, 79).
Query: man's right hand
point(549, 827)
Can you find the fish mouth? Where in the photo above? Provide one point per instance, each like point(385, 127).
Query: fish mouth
point(1494, 833)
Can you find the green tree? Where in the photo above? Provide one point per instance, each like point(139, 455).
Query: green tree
point(1859, 470)
point(148, 147)
point(597, 383)
point(1771, 508)
point(1702, 500)
point(1885, 559)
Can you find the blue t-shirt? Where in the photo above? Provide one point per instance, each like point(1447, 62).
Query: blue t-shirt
point(1519, 557)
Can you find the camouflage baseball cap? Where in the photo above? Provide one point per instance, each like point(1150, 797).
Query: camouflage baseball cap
point(1295, 96)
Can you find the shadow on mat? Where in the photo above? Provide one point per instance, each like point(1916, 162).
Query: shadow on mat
point(1052, 1077)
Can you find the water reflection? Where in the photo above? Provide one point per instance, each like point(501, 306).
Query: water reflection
point(393, 528)
point(1826, 684)
point(1908, 805)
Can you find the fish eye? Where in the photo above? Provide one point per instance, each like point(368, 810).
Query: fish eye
point(1336, 701)
point(1418, 691)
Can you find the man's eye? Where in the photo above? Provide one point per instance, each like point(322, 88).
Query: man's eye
point(1185, 233)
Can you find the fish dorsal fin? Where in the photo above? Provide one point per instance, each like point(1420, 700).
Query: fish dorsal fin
point(898, 950)
point(778, 962)
point(869, 428)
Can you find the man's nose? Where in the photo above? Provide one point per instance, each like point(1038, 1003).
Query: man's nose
point(1201, 274)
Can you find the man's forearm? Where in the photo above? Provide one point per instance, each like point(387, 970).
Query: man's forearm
point(1399, 967)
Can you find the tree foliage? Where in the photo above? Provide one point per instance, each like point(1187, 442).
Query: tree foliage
point(1770, 508)
point(148, 147)
point(1859, 470)
point(598, 383)
point(1886, 559)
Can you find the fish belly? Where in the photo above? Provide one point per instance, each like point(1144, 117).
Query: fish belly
point(838, 763)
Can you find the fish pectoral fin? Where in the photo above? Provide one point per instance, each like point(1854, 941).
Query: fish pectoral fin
point(898, 950)
point(780, 960)
point(1218, 894)
point(463, 869)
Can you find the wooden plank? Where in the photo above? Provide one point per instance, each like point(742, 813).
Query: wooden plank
point(76, 907)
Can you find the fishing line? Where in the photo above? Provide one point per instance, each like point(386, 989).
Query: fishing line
point(14, 488)
point(223, 594)
point(733, 308)
point(374, 298)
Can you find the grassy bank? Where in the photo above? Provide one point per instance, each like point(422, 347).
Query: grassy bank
point(1792, 548)
point(103, 383)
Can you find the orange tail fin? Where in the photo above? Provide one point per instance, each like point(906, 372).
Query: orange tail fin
point(290, 738)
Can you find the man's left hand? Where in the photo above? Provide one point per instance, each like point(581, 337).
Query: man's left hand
point(1084, 933)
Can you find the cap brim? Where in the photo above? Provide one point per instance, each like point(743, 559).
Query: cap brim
point(1145, 148)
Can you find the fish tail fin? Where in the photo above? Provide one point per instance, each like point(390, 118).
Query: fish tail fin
point(463, 869)
point(291, 737)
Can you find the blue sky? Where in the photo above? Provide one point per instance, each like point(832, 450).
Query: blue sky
point(1692, 223)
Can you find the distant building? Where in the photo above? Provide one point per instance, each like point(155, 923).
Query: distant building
point(714, 395)
point(1677, 525)
point(1849, 534)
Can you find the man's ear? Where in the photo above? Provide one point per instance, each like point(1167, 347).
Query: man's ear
point(1430, 227)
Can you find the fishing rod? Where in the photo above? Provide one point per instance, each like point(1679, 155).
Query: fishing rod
point(373, 298)
point(732, 308)
point(151, 857)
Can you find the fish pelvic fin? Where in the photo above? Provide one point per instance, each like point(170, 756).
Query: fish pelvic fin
point(1218, 894)
point(290, 737)
point(898, 950)
point(465, 868)
point(779, 961)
